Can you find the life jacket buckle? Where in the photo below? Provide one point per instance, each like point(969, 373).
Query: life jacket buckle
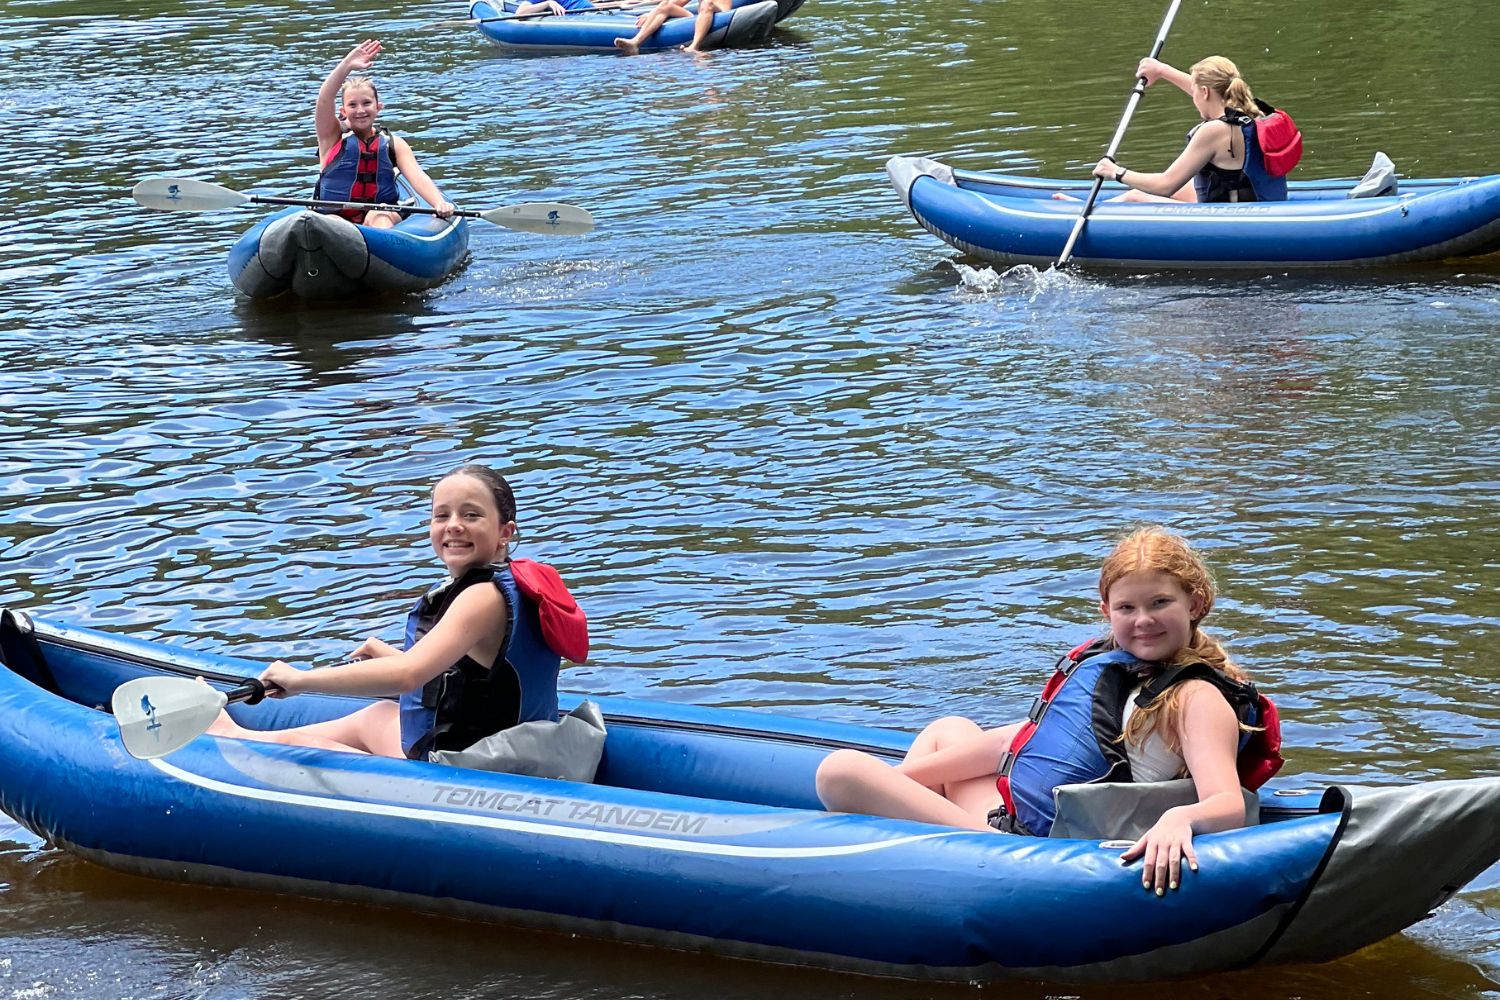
point(1037, 710)
point(1005, 761)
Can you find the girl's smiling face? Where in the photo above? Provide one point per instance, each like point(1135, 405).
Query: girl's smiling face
point(360, 108)
point(466, 530)
point(1151, 614)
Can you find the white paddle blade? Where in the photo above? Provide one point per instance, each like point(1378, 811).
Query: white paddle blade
point(548, 217)
point(179, 194)
point(158, 715)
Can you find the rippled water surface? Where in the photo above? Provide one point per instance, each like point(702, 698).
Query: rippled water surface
point(789, 450)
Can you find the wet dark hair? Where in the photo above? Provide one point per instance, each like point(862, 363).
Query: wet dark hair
point(505, 500)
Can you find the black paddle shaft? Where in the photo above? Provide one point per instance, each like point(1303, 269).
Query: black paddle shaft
point(365, 206)
point(1114, 144)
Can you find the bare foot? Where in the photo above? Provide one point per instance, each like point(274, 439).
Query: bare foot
point(225, 726)
point(1059, 196)
point(628, 46)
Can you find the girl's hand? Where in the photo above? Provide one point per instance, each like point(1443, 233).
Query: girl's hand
point(1106, 168)
point(1164, 847)
point(282, 680)
point(444, 209)
point(1151, 69)
point(362, 56)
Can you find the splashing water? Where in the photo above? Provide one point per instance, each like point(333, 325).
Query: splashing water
point(1022, 279)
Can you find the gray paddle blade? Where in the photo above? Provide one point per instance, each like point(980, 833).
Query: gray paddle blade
point(181, 194)
point(549, 217)
point(158, 715)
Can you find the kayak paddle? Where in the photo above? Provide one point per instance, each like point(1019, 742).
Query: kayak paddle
point(179, 194)
point(158, 715)
point(1114, 144)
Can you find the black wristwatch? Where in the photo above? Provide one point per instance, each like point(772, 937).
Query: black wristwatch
point(1120, 175)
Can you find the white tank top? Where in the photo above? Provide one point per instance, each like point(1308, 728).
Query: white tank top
point(1152, 759)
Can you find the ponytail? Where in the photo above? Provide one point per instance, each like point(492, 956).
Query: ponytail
point(1239, 97)
point(1223, 78)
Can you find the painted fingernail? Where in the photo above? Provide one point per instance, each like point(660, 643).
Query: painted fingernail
point(1172, 886)
point(1161, 891)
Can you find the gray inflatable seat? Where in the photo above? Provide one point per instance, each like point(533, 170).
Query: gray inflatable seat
point(1124, 810)
point(569, 749)
point(1379, 181)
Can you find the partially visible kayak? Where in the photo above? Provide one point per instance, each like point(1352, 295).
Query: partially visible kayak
point(318, 256)
point(702, 831)
point(748, 22)
point(1008, 219)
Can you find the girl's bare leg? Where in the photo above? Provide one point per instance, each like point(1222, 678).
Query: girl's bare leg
point(374, 729)
point(705, 22)
point(850, 781)
point(381, 220)
point(947, 777)
point(648, 24)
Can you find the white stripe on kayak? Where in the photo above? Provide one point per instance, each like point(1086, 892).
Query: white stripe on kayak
point(1135, 216)
point(535, 829)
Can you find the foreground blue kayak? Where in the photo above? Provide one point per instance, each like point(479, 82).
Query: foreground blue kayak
point(1015, 220)
point(702, 832)
point(748, 22)
point(317, 256)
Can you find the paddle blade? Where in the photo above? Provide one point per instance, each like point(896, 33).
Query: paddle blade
point(179, 194)
point(542, 217)
point(158, 715)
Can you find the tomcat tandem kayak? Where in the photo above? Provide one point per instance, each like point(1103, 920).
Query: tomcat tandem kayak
point(746, 23)
point(1007, 219)
point(318, 256)
point(702, 832)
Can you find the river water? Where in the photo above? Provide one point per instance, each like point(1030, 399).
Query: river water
point(789, 451)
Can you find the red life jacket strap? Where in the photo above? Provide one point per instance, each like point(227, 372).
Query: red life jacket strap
point(564, 627)
point(1039, 704)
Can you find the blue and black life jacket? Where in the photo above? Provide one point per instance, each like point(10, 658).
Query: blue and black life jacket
point(472, 700)
point(1073, 732)
point(1254, 181)
point(359, 170)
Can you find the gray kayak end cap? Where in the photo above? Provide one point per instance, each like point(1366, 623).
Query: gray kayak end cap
point(904, 171)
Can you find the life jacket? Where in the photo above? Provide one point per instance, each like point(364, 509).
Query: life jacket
point(1230, 184)
point(1273, 146)
point(472, 700)
point(1279, 138)
point(1072, 733)
point(361, 170)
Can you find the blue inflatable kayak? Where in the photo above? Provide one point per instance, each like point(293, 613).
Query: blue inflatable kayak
point(1015, 220)
point(748, 22)
point(702, 832)
point(317, 256)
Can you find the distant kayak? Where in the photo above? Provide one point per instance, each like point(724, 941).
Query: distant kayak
point(1008, 219)
point(317, 256)
point(749, 22)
